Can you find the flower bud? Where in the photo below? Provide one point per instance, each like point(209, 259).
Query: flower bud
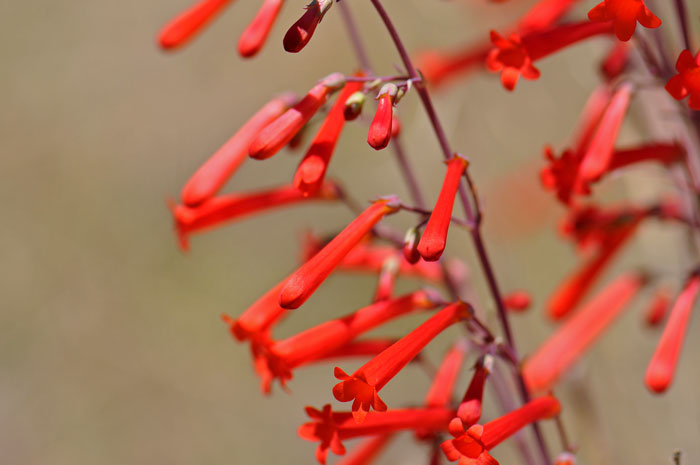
point(353, 105)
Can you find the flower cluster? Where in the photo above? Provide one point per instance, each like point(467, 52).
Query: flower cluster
point(370, 244)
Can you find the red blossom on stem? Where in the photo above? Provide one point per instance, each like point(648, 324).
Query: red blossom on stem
point(225, 208)
point(387, 280)
point(517, 301)
point(515, 56)
point(330, 428)
point(186, 25)
point(380, 129)
point(542, 370)
point(616, 61)
point(440, 392)
point(434, 238)
point(469, 411)
point(301, 32)
point(472, 446)
point(255, 322)
point(279, 132)
point(306, 279)
point(658, 308)
point(214, 173)
point(312, 168)
point(255, 35)
point(662, 366)
point(687, 81)
point(624, 15)
point(363, 386)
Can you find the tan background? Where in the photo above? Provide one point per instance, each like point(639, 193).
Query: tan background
point(111, 348)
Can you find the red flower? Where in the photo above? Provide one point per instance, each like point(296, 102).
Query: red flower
point(432, 242)
point(517, 301)
point(599, 153)
point(578, 333)
point(380, 128)
point(616, 60)
point(255, 322)
point(657, 310)
point(469, 411)
point(329, 428)
point(278, 359)
point(214, 173)
point(366, 451)
point(687, 81)
point(181, 29)
point(662, 366)
point(624, 14)
point(309, 175)
point(437, 67)
point(471, 446)
point(515, 56)
point(442, 387)
point(283, 129)
point(363, 386)
point(387, 279)
point(225, 208)
point(301, 32)
point(255, 35)
point(306, 279)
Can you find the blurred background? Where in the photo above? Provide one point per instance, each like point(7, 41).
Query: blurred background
point(111, 346)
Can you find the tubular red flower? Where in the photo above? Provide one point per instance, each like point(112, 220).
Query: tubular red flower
point(184, 27)
point(280, 131)
point(301, 32)
point(368, 347)
point(363, 386)
point(432, 242)
point(469, 411)
point(367, 451)
point(665, 153)
point(312, 169)
point(438, 67)
point(255, 35)
point(597, 157)
point(278, 359)
point(624, 14)
point(574, 288)
point(306, 279)
point(330, 428)
point(387, 279)
point(259, 317)
point(517, 301)
point(214, 173)
point(515, 56)
point(687, 81)
point(442, 387)
point(471, 446)
point(380, 129)
point(224, 208)
point(658, 308)
point(662, 366)
point(544, 14)
point(578, 333)
point(616, 60)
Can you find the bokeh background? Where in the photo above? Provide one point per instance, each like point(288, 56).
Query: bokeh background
point(111, 346)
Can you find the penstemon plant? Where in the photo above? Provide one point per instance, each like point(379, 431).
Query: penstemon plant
point(640, 61)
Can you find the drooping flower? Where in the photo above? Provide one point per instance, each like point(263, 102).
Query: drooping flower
point(387, 279)
point(312, 168)
point(442, 387)
point(687, 81)
point(188, 23)
point(280, 131)
point(579, 332)
point(410, 245)
point(658, 307)
point(517, 301)
point(662, 366)
point(363, 385)
point(616, 61)
point(213, 174)
point(225, 208)
point(353, 105)
point(472, 446)
point(599, 153)
point(469, 411)
point(380, 129)
point(301, 32)
point(277, 359)
point(255, 35)
point(624, 14)
point(515, 56)
point(259, 317)
point(310, 275)
point(434, 238)
point(330, 428)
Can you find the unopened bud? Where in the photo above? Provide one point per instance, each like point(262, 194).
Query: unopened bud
point(353, 105)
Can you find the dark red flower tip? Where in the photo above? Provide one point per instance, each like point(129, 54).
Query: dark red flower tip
point(310, 275)
point(301, 32)
point(687, 81)
point(380, 129)
point(255, 35)
point(186, 25)
point(434, 239)
point(658, 307)
point(624, 15)
point(280, 131)
point(662, 366)
point(213, 174)
point(616, 61)
point(312, 168)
